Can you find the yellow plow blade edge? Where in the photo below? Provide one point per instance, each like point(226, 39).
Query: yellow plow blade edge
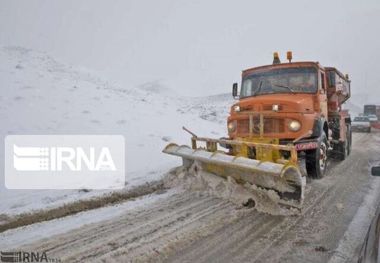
point(285, 179)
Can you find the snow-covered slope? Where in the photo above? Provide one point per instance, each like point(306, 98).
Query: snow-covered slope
point(39, 95)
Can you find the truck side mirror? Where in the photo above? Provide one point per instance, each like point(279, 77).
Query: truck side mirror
point(235, 90)
point(375, 170)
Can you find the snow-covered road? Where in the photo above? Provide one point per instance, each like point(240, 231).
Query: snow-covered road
point(187, 227)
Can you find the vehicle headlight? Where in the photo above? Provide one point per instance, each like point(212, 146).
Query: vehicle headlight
point(231, 126)
point(236, 108)
point(294, 125)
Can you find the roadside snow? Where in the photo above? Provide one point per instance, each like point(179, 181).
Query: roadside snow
point(354, 236)
point(358, 228)
point(15, 238)
point(39, 95)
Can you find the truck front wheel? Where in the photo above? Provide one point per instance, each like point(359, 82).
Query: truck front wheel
point(316, 160)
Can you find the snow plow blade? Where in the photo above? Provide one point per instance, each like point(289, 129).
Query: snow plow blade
point(283, 178)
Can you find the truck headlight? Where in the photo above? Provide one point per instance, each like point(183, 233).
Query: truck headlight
point(236, 108)
point(294, 125)
point(231, 126)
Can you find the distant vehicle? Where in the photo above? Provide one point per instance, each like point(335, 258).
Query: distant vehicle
point(372, 118)
point(372, 110)
point(361, 123)
point(370, 248)
point(369, 109)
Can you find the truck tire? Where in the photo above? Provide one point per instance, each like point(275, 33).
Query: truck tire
point(343, 150)
point(369, 130)
point(345, 147)
point(349, 136)
point(316, 160)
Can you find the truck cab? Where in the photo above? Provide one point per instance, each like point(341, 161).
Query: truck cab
point(295, 103)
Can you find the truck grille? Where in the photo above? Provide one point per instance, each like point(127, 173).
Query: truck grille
point(271, 125)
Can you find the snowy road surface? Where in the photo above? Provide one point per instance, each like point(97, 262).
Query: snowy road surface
point(186, 227)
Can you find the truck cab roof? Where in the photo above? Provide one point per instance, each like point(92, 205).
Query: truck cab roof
point(293, 65)
point(282, 65)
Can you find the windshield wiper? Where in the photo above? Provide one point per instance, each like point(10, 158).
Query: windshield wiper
point(259, 88)
point(284, 86)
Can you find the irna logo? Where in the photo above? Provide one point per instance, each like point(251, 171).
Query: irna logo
point(26, 256)
point(61, 158)
point(64, 161)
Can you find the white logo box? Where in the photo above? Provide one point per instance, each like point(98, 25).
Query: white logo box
point(64, 161)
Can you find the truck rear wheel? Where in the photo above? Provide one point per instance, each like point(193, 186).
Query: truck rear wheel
point(349, 138)
point(344, 148)
point(316, 160)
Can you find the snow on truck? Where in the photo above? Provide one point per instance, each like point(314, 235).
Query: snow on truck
point(287, 112)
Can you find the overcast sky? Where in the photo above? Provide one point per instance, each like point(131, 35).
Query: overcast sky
point(199, 47)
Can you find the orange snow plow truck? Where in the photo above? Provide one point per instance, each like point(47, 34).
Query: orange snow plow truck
point(286, 124)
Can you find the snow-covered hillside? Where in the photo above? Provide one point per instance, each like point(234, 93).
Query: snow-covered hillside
point(40, 95)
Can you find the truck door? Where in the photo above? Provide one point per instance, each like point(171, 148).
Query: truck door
point(322, 91)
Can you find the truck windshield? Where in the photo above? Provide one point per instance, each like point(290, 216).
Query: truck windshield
point(288, 80)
